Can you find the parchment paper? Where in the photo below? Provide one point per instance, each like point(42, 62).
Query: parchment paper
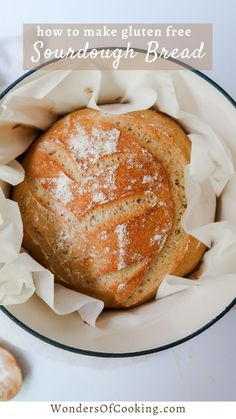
point(33, 106)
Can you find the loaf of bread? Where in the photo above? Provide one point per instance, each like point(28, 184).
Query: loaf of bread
point(102, 202)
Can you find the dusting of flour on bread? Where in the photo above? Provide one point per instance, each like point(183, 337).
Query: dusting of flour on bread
point(99, 197)
point(60, 187)
point(100, 143)
point(121, 235)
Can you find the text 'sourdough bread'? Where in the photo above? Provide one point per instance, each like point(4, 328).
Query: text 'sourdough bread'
point(102, 202)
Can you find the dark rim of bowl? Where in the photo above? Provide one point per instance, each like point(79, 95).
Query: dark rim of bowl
point(122, 354)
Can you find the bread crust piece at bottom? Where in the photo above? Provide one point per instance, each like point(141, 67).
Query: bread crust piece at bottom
point(10, 376)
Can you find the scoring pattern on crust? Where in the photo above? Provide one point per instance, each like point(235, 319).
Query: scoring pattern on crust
point(111, 195)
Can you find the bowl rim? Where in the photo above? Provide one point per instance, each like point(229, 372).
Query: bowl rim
point(121, 354)
point(115, 354)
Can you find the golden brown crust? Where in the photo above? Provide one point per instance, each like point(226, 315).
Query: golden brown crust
point(100, 207)
point(164, 138)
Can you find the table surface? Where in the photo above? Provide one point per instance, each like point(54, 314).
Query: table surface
point(201, 369)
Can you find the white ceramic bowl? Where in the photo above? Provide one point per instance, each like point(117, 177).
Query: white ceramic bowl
point(179, 317)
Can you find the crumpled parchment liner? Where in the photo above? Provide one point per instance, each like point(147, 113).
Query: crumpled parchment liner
point(34, 106)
